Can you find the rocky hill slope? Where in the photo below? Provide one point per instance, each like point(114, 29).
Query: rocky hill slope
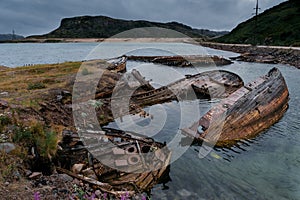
point(279, 25)
point(105, 27)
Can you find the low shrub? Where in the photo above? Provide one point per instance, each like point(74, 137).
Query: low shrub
point(4, 121)
point(36, 86)
point(44, 139)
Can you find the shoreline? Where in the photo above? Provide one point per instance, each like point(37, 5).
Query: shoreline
point(260, 54)
point(96, 40)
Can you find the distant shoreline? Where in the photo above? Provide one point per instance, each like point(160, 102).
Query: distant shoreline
point(95, 40)
point(249, 53)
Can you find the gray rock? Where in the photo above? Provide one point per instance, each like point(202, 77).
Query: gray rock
point(59, 97)
point(17, 175)
point(28, 173)
point(6, 183)
point(35, 175)
point(77, 168)
point(76, 181)
point(65, 178)
point(4, 94)
point(7, 147)
point(98, 193)
point(3, 104)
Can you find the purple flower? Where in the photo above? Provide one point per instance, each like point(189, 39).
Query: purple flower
point(37, 196)
point(92, 197)
point(104, 196)
point(144, 198)
point(123, 197)
point(127, 195)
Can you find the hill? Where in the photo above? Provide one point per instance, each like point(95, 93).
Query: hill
point(105, 27)
point(4, 37)
point(279, 25)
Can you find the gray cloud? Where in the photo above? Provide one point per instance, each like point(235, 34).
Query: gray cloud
point(29, 17)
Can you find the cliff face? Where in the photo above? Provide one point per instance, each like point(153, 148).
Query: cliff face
point(279, 25)
point(105, 27)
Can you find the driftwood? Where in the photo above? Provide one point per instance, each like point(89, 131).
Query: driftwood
point(245, 113)
point(103, 186)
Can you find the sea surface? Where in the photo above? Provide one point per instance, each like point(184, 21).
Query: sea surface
point(265, 167)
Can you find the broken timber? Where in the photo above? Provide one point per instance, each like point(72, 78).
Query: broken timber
point(245, 113)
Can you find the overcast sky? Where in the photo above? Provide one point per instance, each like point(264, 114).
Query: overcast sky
point(28, 17)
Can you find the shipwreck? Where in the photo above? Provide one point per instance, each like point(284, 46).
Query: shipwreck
point(210, 84)
point(183, 61)
point(121, 162)
point(245, 113)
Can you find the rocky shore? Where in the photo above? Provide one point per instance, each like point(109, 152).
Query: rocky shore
point(261, 54)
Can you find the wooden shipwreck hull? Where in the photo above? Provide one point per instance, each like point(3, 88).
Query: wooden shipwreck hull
point(118, 163)
point(118, 65)
point(210, 84)
point(245, 113)
point(183, 61)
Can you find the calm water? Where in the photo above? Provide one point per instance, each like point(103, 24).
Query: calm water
point(13, 55)
point(266, 167)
